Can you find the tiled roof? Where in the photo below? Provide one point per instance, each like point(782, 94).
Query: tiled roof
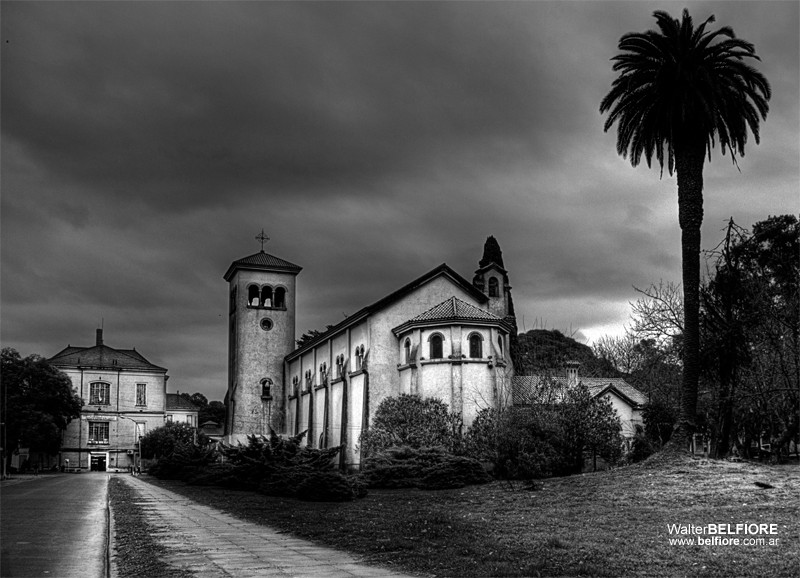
point(455, 309)
point(102, 356)
point(177, 402)
point(527, 389)
point(263, 262)
point(598, 385)
point(442, 269)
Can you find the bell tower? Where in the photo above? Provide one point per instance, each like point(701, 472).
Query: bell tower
point(492, 279)
point(261, 332)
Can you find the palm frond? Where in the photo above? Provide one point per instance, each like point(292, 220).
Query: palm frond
point(683, 83)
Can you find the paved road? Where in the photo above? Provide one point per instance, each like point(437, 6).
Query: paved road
point(214, 544)
point(54, 525)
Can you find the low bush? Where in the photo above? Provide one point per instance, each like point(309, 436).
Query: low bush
point(641, 447)
point(325, 487)
point(274, 466)
point(425, 468)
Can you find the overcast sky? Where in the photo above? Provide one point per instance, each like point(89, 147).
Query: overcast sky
point(146, 144)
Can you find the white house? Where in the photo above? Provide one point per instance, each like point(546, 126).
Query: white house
point(124, 397)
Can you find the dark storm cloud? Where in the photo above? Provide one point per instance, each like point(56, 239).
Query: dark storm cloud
point(279, 97)
point(145, 144)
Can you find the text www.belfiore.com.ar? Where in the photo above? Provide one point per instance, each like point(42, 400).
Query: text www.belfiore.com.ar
point(744, 534)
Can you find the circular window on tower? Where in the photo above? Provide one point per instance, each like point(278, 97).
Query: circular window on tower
point(266, 324)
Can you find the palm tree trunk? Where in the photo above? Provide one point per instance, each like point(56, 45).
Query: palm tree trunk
point(689, 167)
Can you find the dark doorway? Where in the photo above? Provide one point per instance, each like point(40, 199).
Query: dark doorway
point(98, 464)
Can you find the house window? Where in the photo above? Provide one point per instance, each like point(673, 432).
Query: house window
point(407, 350)
point(99, 393)
point(98, 432)
point(323, 373)
point(493, 288)
point(475, 346)
point(141, 394)
point(437, 351)
point(309, 379)
point(500, 345)
point(295, 385)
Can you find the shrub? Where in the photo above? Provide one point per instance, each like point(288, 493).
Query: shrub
point(641, 447)
point(162, 441)
point(274, 466)
point(455, 472)
point(184, 462)
point(410, 420)
point(426, 468)
point(325, 487)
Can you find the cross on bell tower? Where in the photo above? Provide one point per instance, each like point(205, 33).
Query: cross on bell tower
point(263, 238)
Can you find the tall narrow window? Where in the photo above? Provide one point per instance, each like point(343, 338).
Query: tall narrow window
point(475, 346)
point(436, 346)
point(309, 379)
point(99, 393)
point(359, 357)
point(407, 350)
point(266, 296)
point(98, 432)
point(141, 394)
point(266, 388)
point(500, 345)
point(280, 298)
point(494, 291)
point(339, 365)
point(252, 296)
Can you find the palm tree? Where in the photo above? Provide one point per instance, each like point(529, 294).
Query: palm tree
point(680, 90)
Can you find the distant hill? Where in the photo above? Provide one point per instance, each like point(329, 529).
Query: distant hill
point(542, 350)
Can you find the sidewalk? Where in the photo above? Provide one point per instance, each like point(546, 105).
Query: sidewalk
point(214, 544)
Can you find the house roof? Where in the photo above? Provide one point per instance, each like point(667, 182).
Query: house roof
point(527, 389)
point(262, 261)
point(600, 385)
point(176, 402)
point(451, 310)
point(103, 356)
point(441, 270)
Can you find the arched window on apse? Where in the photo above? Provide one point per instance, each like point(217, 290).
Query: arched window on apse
point(436, 346)
point(475, 346)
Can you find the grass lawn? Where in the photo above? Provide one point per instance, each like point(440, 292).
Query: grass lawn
point(603, 524)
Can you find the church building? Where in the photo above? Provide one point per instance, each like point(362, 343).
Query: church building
point(439, 335)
